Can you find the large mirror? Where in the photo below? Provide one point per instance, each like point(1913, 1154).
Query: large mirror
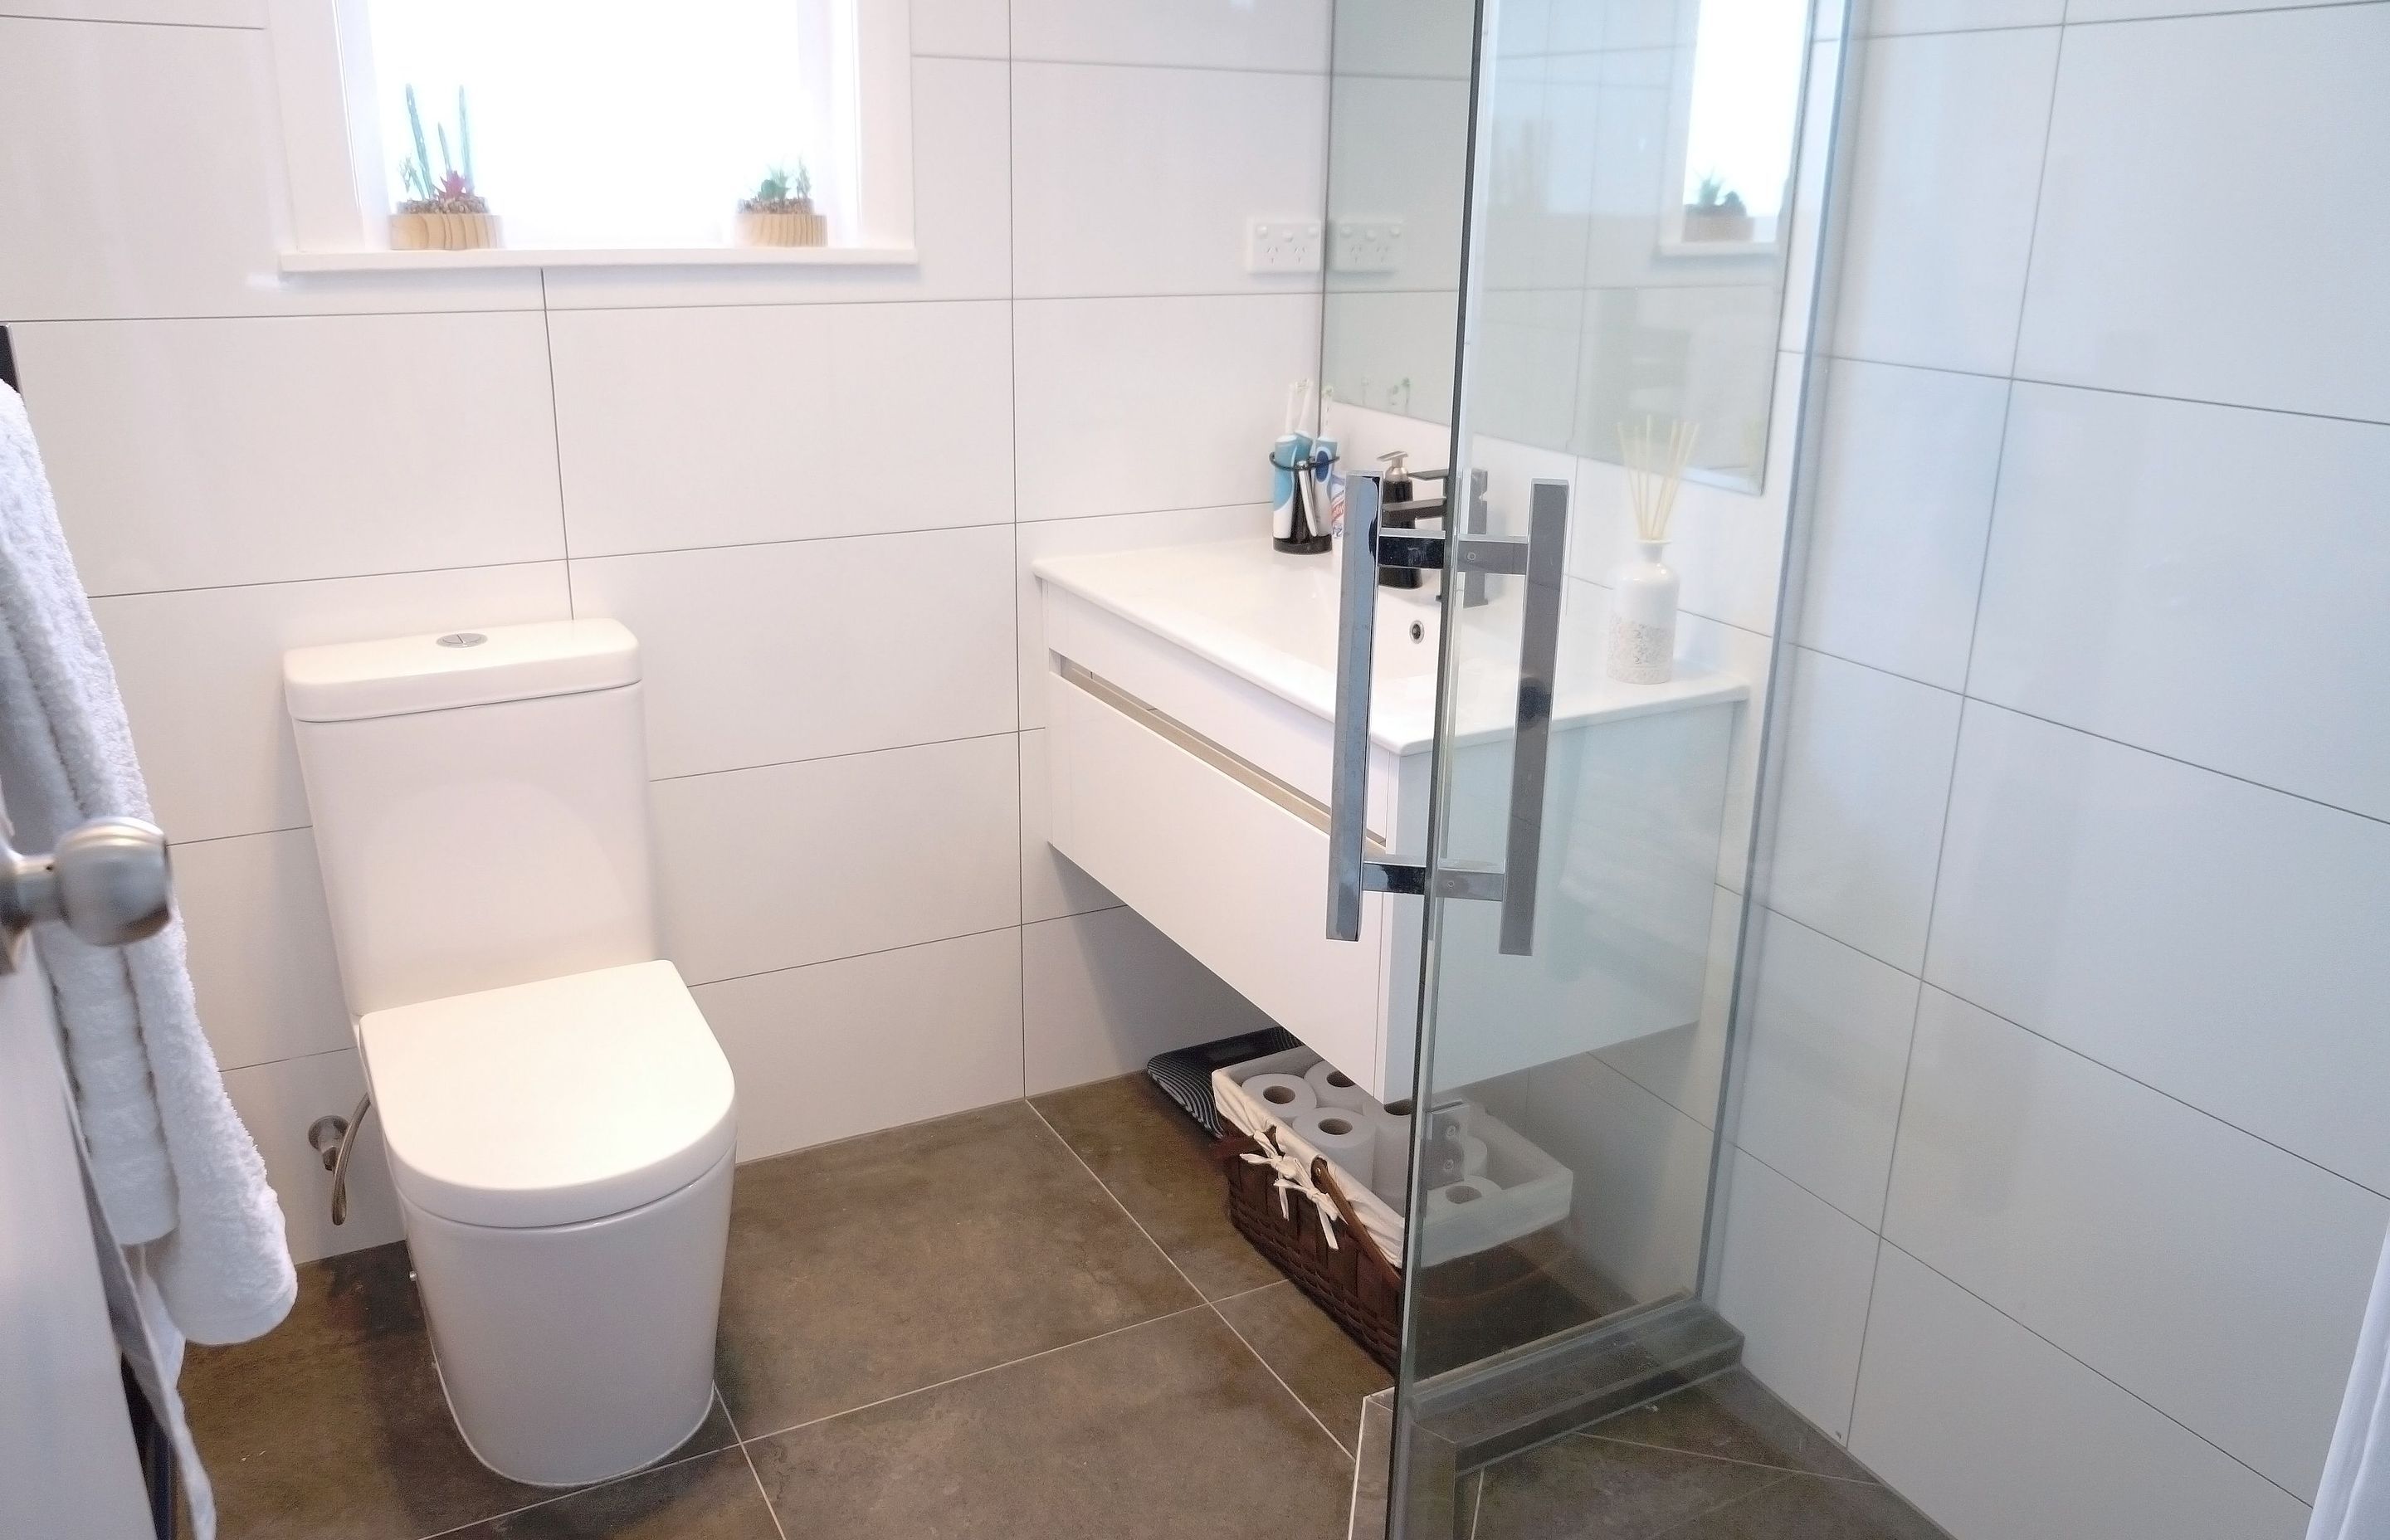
point(1637, 190)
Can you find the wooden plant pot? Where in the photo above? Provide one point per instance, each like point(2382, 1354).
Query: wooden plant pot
point(799, 226)
point(1711, 226)
point(439, 230)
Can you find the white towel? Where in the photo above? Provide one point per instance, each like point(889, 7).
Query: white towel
point(176, 1172)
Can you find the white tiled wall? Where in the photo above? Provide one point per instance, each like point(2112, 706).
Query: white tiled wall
point(805, 491)
point(2061, 1176)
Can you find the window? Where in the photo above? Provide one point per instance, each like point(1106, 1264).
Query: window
point(1737, 103)
point(495, 132)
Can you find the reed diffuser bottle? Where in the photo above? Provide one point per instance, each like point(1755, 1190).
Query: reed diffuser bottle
point(1643, 592)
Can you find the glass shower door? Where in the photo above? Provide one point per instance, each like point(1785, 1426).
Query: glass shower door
point(1583, 323)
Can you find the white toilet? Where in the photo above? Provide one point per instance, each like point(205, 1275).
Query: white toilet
point(559, 1120)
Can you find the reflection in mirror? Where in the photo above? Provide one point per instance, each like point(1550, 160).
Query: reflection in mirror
point(1636, 191)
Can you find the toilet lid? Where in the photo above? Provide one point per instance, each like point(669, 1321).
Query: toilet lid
point(553, 1102)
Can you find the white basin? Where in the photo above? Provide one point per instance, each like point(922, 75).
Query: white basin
point(1192, 702)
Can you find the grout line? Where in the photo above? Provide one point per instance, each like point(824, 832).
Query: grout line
point(2094, 1369)
point(1012, 430)
point(741, 1445)
point(325, 577)
point(1724, 1459)
point(844, 753)
point(1321, 73)
point(556, 447)
point(1686, 1526)
point(133, 22)
point(2201, 16)
point(974, 1374)
point(1211, 1306)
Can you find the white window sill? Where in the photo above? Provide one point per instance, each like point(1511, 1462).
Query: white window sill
point(508, 256)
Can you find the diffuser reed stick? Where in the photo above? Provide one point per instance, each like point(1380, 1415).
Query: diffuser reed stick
point(1655, 472)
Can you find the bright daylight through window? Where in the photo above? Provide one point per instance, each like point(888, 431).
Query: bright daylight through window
point(614, 123)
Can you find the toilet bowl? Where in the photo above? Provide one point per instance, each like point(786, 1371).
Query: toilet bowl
point(562, 1154)
point(560, 1121)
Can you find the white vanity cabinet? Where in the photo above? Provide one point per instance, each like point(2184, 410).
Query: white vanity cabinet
point(1190, 705)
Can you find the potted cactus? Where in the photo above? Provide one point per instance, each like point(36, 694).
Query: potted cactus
point(1718, 213)
point(442, 212)
point(781, 211)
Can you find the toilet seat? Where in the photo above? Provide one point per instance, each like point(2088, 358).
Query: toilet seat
point(550, 1103)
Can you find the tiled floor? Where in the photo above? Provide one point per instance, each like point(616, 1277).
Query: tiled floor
point(1723, 1460)
point(1029, 1320)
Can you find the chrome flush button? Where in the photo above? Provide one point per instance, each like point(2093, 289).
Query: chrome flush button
point(463, 639)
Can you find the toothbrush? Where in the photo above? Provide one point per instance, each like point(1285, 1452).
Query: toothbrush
point(1288, 458)
point(1328, 483)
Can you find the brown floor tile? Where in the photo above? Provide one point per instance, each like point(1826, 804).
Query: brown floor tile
point(868, 1268)
point(332, 1427)
point(1310, 1353)
point(711, 1497)
point(1735, 1418)
point(1812, 1507)
point(1158, 1162)
point(1166, 1431)
point(1586, 1489)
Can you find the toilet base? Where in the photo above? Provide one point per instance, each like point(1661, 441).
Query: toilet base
point(575, 1353)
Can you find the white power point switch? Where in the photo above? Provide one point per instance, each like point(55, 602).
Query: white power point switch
point(1282, 246)
point(1368, 245)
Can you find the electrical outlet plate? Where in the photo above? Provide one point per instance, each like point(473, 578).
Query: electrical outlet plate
point(1368, 245)
point(1282, 246)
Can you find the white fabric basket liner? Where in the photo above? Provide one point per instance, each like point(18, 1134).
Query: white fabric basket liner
point(1536, 1192)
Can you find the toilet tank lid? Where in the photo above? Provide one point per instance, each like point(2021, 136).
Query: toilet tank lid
point(445, 669)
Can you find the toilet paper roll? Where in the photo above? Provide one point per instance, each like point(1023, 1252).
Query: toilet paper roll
point(1286, 1097)
point(1467, 1193)
point(1390, 1167)
point(1335, 1089)
point(1342, 1135)
point(1472, 1155)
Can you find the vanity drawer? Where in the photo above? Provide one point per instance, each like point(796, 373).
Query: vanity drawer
point(1219, 857)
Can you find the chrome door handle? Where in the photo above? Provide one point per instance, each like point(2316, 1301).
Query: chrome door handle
point(109, 881)
point(1539, 651)
point(1542, 559)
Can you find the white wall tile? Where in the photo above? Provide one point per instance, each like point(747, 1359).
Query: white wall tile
point(2123, 1225)
point(1143, 181)
point(2207, 937)
point(846, 1047)
point(961, 218)
point(1794, 1275)
point(756, 654)
point(1427, 38)
point(720, 426)
point(960, 29)
point(2135, 589)
point(194, 453)
point(1051, 884)
point(2181, 250)
point(1248, 34)
point(1106, 991)
point(1641, 1172)
point(796, 863)
point(2000, 1436)
point(201, 675)
point(1893, 17)
point(1905, 480)
point(261, 945)
point(1124, 405)
point(1826, 1051)
point(276, 1102)
point(145, 177)
point(1681, 1065)
point(1866, 771)
point(1127, 531)
point(1941, 197)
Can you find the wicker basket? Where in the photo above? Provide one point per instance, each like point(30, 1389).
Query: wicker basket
point(1355, 1284)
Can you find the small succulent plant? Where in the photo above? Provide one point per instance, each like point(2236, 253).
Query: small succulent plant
point(452, 191)
point(782, 191)
point(1714, 197)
